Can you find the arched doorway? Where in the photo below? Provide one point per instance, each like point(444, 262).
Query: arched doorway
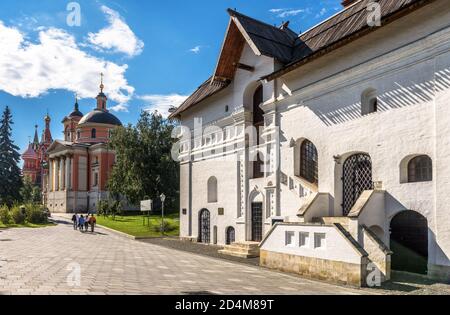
point(357, 177)
point(257, 221)
point(409, 242)
point(204, 227)
point(230, 235)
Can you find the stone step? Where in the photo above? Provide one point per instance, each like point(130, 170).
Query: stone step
point(242, 250)
point(254, 251)
point(237, 254)
point(246, 245)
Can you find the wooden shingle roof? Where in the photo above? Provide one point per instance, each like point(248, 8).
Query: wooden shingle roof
point(342, 28)
point(291, 49)
point(207, 89)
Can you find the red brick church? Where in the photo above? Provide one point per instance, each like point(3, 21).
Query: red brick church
point(79, 165)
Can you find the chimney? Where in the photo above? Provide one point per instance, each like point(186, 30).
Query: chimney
point(347, 3)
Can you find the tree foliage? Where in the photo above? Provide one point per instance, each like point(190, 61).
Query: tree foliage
point(10, 175)
point(29, 192)
point(145, 167)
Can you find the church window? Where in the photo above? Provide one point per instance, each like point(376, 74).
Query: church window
point(369, 102)
point(212, 190)
point(94, 133)
point(78, 135)
point(309, 166)
point(95, 179)
point(320, 241)
point(304, 240)
point(290, 239)
point(420, 169)
point(258, 123)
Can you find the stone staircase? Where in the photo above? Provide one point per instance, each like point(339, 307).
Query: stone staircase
point(242, 250)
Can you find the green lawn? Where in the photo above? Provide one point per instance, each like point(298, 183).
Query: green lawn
point(133, 225)
point(26, 225)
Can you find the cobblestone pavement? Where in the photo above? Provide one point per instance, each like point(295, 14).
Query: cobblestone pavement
point(41, 261)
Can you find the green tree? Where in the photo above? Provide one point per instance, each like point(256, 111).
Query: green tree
point(10, 175)
point(144, 162)
point(29, 192)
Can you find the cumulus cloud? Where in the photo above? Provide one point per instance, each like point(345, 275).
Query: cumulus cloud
point(55, 61)
point(162, 103)
point(117, 36)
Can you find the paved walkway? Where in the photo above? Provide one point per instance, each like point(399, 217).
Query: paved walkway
point(47, 260)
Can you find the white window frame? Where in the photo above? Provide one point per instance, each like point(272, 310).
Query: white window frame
point(320, 241)
point(304, 239)
point(289, 239)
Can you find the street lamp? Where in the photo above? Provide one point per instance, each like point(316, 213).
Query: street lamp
point(163, 198)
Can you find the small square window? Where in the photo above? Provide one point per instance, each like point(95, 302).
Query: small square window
point(290, 239)
point(304, 239)
point(320, 241)
point(184, 211)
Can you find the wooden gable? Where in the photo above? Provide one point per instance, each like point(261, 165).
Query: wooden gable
point(230, 54)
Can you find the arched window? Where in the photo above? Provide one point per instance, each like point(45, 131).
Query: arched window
point(420, 169)
point(78, 135)
point(309, 166)
point(94, 133)
point(212, 190)
point(258, 123)
point(369, 102)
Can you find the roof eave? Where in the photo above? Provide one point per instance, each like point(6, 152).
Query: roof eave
point(346, 40)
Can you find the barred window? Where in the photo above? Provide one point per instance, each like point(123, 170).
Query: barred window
point(420, 169)
point(309, 162)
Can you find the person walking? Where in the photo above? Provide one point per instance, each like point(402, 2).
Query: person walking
point(75, 221)
point(92, 222)
point(78, 220)
point(81, 223)
point(86, 223)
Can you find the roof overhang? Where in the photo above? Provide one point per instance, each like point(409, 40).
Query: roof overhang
point(388, 19)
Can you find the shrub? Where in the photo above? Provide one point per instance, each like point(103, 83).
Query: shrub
point(18, 215)
point(5, 215)
point(35, 214)
point(168, 227)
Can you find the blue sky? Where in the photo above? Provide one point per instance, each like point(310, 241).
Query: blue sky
point(153, 53)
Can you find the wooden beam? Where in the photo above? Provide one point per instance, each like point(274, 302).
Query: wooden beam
point(244, 67)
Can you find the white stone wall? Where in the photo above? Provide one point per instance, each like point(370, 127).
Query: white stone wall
point(408, 63)
point(336, 248)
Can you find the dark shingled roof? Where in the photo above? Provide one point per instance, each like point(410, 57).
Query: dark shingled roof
point(100, 117)
point(204, 91)
point(342, 27)
point(270, 40)
point(295, 50)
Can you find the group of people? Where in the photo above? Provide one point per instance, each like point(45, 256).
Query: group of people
point(82, 223)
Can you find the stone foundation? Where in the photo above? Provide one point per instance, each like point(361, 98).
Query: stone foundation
point(314, 268)
point(439, 273)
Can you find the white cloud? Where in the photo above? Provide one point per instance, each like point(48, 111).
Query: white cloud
point(321, 13)
point(284, 13)
point(117, 37)
point(162, 103)
point(55, 61)
point(196, 49)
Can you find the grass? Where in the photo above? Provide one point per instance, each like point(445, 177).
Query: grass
point(133, 225)
point(25, 225)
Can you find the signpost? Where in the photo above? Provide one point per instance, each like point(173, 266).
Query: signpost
point(163, 199)
point(146, 206)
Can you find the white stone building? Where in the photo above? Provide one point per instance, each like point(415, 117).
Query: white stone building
point(356, 125)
